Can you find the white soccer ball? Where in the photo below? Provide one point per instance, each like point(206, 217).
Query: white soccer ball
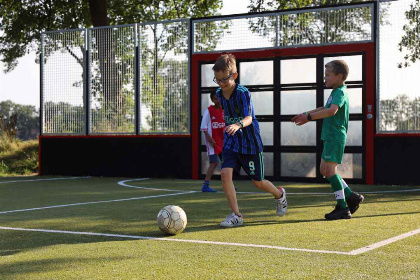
point(172, 219)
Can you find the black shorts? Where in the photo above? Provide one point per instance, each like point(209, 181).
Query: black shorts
point(253, 164)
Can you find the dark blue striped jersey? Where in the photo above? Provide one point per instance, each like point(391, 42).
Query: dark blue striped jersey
point(246, 140)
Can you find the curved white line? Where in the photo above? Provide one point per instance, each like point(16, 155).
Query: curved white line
point(123, 183)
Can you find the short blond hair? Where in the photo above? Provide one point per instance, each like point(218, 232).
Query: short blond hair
point(225, 63)
point(339, 67)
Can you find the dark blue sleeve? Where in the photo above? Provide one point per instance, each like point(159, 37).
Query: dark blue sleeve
point(246, 102)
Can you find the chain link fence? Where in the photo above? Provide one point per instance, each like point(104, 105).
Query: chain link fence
point(322, 26)
point(112, 79)
point(134, 79)
point(164, 78)
point(63, 82)
point(116, 80)
point(399, 68)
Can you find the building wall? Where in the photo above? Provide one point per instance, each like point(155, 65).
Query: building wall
point(155, 157)
point(397, 160)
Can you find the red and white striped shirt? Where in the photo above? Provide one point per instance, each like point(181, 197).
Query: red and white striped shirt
point(213, 122)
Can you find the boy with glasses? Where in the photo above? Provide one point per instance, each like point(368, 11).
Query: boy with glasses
point(242, 144)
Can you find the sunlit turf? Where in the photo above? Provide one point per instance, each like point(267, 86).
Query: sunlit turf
point(37, 255)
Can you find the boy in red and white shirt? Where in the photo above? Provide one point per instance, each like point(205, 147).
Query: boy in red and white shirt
point(212, 125)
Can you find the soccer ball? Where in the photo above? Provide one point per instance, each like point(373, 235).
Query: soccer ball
point(172, 219)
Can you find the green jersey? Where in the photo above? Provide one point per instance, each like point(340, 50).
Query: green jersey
point(334, 128)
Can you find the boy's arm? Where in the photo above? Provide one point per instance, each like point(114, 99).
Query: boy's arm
point(316, 110)
point(317, 114)
point(309, 112)
point(231, 129)
point(212, 142)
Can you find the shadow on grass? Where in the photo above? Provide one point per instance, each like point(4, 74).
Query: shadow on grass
point(19, 268)
point(205, 212)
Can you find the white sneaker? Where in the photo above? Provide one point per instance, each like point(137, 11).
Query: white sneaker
point(281, 203)
point(232, 221)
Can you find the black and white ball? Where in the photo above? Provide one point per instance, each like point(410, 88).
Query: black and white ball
point(172, 219)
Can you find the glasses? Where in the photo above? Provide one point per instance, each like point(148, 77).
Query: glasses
point(217, 81)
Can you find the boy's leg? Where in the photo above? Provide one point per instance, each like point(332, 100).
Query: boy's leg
point(267, 186)
point(234, 219)
point(279, 195)
point(353, 199)
point(210, 171)
point(253, 164)
point(330, 169)
point(229, 189)
point(214, 160)
point(347, 190)
point(332, 155)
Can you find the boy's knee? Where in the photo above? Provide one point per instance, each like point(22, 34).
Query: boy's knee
point(225, 174)
point(258, 184)
point(329, 174)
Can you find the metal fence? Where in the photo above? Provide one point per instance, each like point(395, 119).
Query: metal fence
point(320, 26)
point(164, 77)
point(134, 79)
point(399, 68)
point(63, 82)
point(112, 79)
point(130, 79)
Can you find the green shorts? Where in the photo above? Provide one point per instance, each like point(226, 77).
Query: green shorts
point(333, 151)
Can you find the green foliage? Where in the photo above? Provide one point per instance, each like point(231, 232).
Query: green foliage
point(410, 41)
point(22, 22)
point(63, 118)
point(311, 27)
point(21, 121)
point(18, 157)
point(400, 114)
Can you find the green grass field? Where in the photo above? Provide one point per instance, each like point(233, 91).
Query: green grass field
point(129, 245)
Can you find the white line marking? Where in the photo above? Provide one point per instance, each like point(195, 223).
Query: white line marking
point(384, 242)
point(94, 202)
point(122, 183)
point(353, 253)
point(174, 240)
point(50, 179)
point(398, 191)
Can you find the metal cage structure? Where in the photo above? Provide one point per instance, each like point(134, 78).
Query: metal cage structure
point(116, 80)
point(144, 86)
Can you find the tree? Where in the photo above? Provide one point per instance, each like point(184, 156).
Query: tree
point(311, 28)
point(410, 41)
point(21, 121)
point(23, 21)
point(400, 114)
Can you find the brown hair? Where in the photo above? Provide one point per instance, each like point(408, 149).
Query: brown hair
point(225, 62)
point(339, 67)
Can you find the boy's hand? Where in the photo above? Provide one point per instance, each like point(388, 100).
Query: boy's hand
point(300, 119)
point(212, 142)
point(231, 129)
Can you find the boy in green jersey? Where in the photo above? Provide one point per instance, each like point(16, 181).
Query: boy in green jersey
point(334, 134)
